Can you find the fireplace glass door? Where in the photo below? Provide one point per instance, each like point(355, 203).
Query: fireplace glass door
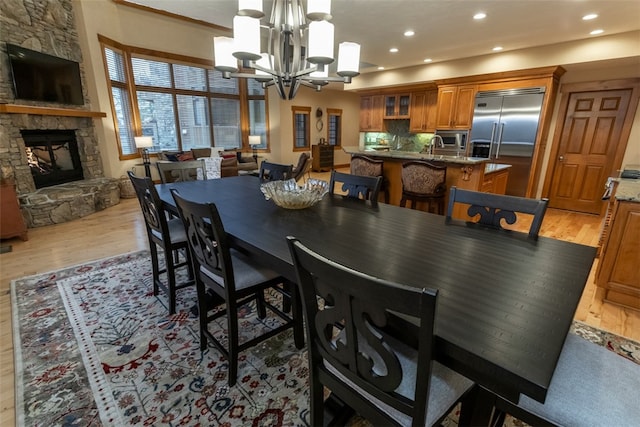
point(52, 156)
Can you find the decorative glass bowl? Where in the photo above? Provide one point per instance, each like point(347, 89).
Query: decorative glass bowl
point(289, 195)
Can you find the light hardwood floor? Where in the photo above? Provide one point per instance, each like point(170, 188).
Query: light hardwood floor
point(120, 229)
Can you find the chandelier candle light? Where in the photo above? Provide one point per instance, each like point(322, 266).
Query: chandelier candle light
point(297, 52)
point(144, 142)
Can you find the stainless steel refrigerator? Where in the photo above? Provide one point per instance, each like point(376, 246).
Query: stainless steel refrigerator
point(504, 129)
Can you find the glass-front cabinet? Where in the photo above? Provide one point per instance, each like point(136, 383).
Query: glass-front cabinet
point(397, 106)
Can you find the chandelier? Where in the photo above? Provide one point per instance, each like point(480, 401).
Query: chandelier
point(297, 53)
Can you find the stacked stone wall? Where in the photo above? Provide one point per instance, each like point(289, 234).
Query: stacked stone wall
point(46, 26)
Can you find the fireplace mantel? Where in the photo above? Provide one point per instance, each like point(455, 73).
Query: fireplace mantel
point(48, 111)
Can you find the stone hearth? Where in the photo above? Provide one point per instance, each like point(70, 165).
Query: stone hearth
point(65, 202)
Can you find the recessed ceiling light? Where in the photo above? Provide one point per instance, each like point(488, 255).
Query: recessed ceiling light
point(497, 48)
point(428, 60)
point(380, 68)
point(479, 15)
point(393, 50)
point(409, 33)
point(596, 32)
point(589, 16)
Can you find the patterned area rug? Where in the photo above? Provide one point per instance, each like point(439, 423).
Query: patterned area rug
point(94, 347)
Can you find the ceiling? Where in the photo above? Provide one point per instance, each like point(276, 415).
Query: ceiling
point(444, 29)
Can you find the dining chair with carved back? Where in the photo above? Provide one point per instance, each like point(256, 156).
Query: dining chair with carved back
point(270, 171)
point(423, 182)
point(356, 186)
point(180, 171)
point(167, 233)
point(235, 278)
point(351, 353)
point(497, 210)
point(366, 166)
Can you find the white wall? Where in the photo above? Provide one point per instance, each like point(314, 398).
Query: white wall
point(281, 121)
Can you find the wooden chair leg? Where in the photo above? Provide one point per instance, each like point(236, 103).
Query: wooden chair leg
point(286, 301)
point(232, 339)
point(260, 306)
point(317, 402)
point(189, 265)
point(202, 315)
point(386, 196)
point(477, 408)
point(171, 280)
point(296, 314)
point(498, 418)
point(155, 268)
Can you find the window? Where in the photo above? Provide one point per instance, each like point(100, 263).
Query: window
point(193, 115)
point(225, 108)
point(120, 102)
point(257, 112)
point(157, 118)
point(301, 131)
point(181, 106)
point(334, 127)
point(193, 108)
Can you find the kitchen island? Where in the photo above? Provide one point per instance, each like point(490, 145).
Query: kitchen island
point(472, 173)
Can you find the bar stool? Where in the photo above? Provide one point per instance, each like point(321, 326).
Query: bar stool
point(366, 166)
point(424, 182)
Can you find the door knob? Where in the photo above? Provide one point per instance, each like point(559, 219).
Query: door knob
point(561, 158)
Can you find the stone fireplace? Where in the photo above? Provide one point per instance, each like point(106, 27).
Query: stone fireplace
point(14, 160)
point(78, 186)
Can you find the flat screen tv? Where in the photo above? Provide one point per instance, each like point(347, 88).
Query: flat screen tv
point(41, 77)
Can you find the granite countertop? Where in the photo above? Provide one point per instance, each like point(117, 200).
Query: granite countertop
point(628, 190)
point(494, 167)
point(412, 155)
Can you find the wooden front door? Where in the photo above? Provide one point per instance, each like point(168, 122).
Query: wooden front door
point(591, 145)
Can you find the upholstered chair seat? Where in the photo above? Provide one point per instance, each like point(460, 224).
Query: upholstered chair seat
point(591, 386)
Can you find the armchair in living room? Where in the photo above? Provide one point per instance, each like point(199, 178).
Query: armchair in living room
point(302, 168)
point(248, 164)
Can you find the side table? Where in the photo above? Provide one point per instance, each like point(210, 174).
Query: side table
point(11, 220)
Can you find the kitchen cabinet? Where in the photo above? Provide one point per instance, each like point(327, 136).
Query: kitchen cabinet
point(455, 106)
point(618, 270)
point(321, 158)
point(495, 179)
point(371, 113)
point(397, 106)
point(11, 220)
point(423, 111)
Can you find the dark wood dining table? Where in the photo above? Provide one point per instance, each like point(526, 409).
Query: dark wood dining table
point(505, 302)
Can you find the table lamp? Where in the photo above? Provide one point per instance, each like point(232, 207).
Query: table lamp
point(143, 143)
point(254, 141)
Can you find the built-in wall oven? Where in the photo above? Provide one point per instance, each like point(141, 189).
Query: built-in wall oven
point(480, 149)
point(454, 142)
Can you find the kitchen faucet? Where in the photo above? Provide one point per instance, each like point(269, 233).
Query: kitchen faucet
point(432, 144)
